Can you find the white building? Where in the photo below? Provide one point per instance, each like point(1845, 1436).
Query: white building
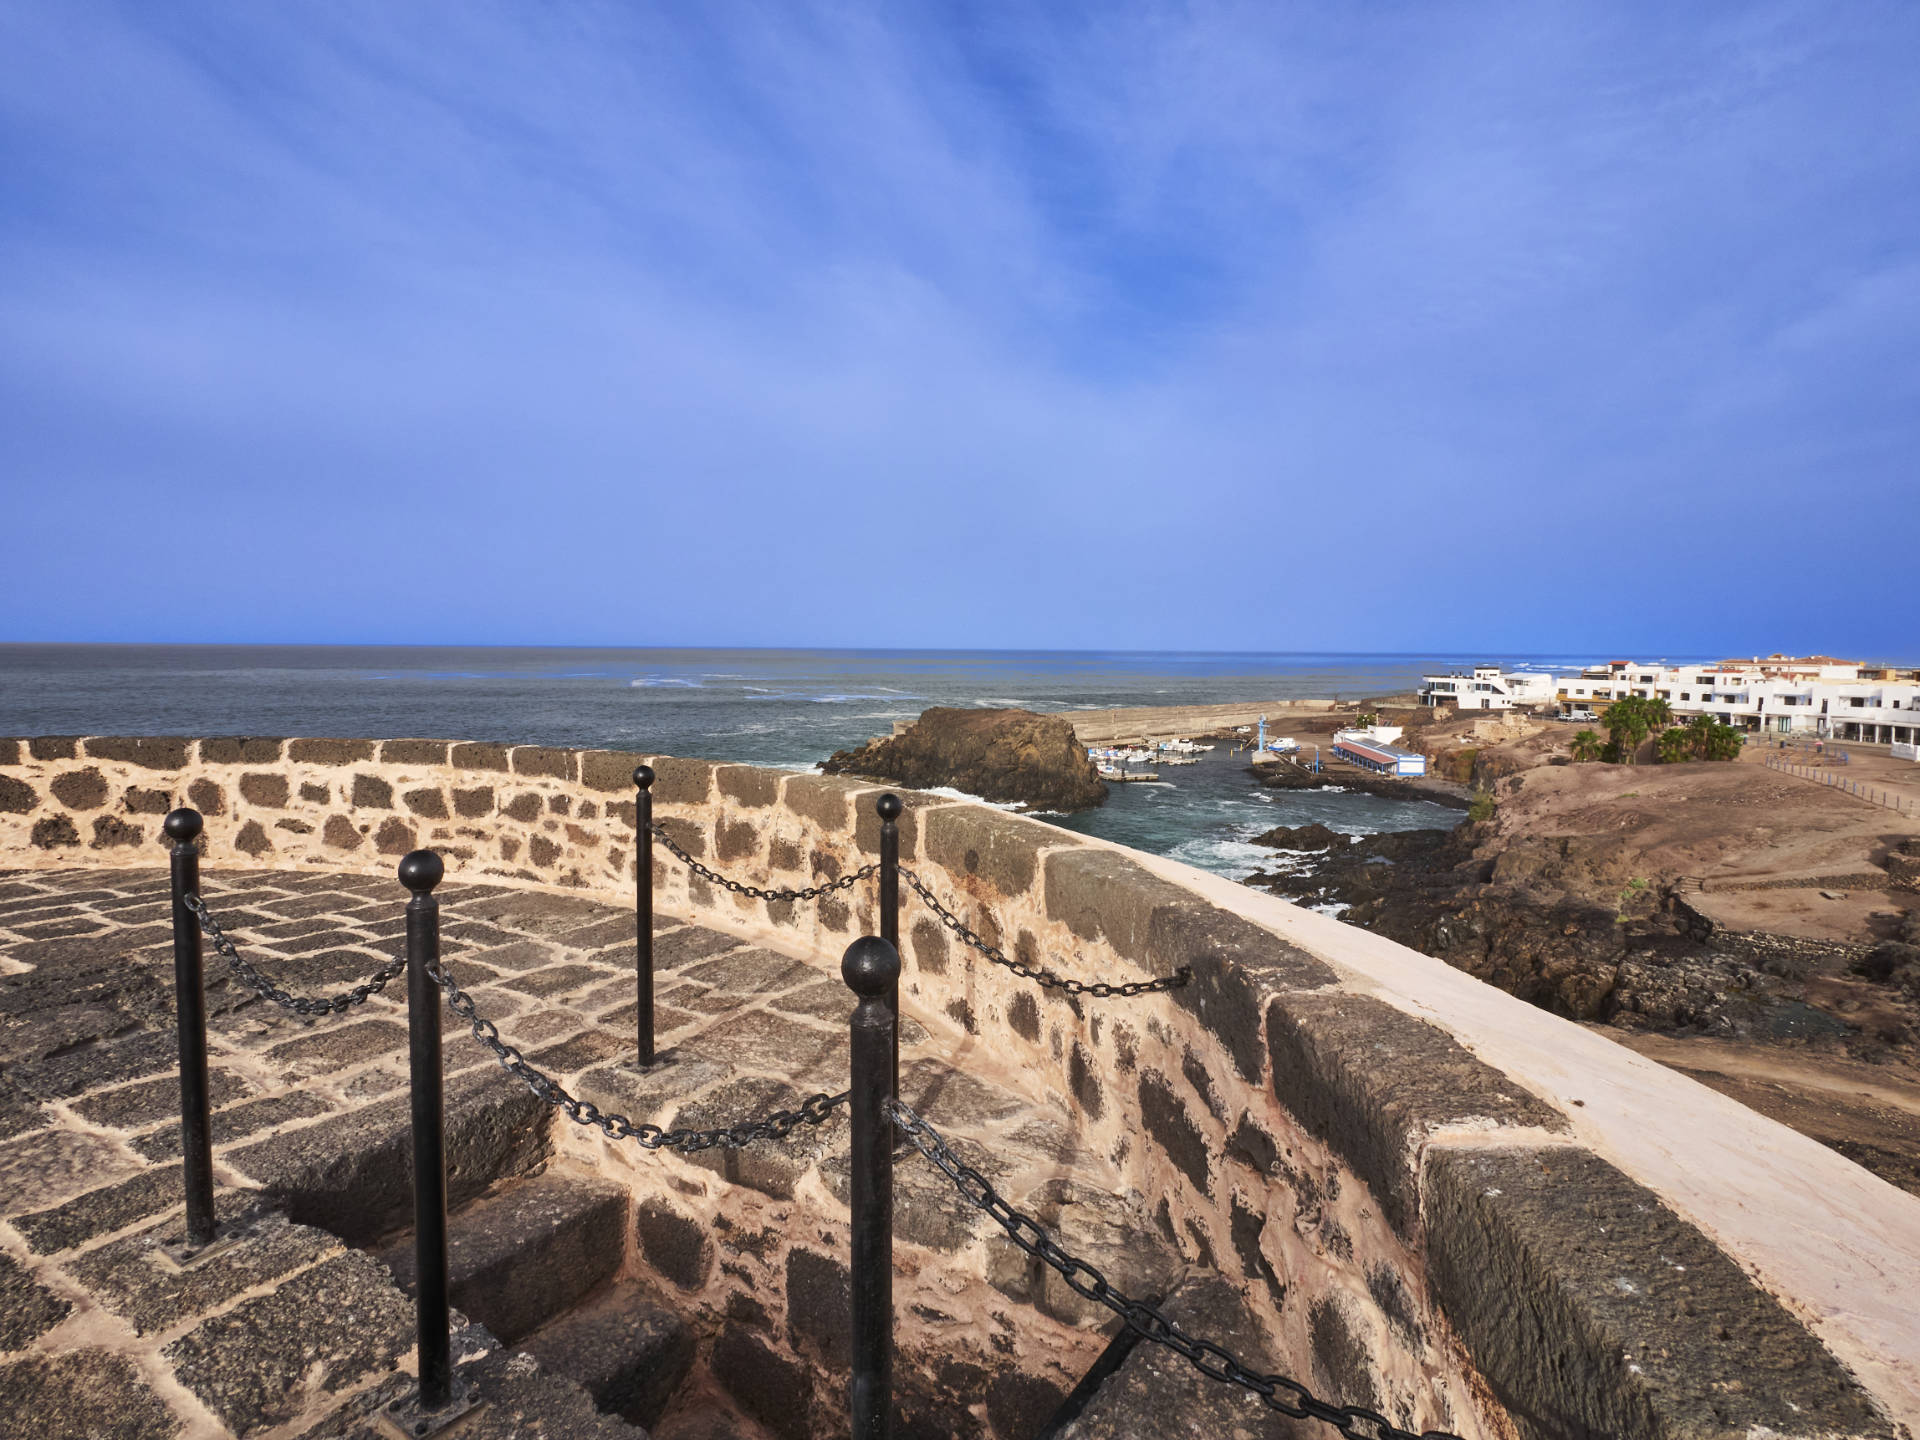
point(1778, 694)
point(1487, 688)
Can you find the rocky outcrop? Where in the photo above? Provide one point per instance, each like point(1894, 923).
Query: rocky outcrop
point(1302, 837)
point(1010, 756)
point(1562, 922)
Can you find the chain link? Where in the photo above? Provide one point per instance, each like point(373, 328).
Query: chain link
point(814, 1110)
point(1287, 1396)
point(1099, 989)
point(740, 887)
point(298, 1004)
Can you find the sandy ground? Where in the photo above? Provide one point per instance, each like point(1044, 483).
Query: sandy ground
point(1167, 722)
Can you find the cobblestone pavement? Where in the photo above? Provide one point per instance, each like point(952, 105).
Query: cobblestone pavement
point(99, 1336)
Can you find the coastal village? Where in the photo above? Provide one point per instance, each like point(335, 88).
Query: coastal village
point(1753, 921)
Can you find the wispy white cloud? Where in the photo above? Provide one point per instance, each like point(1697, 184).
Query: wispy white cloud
point(1120, 324)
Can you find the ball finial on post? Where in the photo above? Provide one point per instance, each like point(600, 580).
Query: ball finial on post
point(183, 825)
point(421, 870)
point(888, 806)
point(870, 967)
point(643, 776)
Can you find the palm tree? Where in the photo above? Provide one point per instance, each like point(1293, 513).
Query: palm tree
point(1586, 746)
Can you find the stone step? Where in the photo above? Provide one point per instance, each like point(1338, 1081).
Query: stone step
point(528, 1251)
point(623, 1346)
point(353, 1174)
point(701, 1411)
point(1156, 1394)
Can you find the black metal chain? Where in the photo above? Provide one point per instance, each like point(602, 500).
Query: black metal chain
point(1287, 1396)
point(814, 1110)
point(740, 887)
point(1099, 989)
point(298, 1004)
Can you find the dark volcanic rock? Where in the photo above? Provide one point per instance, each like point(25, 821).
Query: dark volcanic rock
point(1302, 837)
point(1002, 755)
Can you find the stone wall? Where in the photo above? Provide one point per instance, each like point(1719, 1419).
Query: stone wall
point(1415, 1230)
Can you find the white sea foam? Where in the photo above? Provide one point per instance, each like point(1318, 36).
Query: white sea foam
point(1010, 806)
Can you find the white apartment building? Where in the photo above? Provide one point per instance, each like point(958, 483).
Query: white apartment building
point(1777, 694)
point(1487, 688)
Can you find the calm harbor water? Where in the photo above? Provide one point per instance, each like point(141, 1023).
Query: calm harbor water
point(788, 708)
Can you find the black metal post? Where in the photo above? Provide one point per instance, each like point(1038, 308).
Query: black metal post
point(871, 968)
point(190, 1011)
point(889, 808)
point(420, 872)
point(643, 907)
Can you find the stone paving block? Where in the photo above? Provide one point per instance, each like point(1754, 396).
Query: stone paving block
point(609, 929)
point(521, 1401)
point(461, 933)
point(101, 1211)
point(557, 980)
point(515, 955)
point(1373, 1083)
point(828, 1000)
point(652, 1096)
point(262, 1363)
point(63, 1076)
point(592, 1047)
point(337, 1044)
point(133, 1106)
point(625, 1348)
point(18, 1114)
point(775, 1044)
point(687, 944)
point(81, 1395)
point(522, 1255)
point(42, 1167)
point(666, 1018)
point(1593, 1309)
point(533, 912)
point(700, 1000)
point(235, 1123)
point(27, 1308)
point(751, 971)
point(351, 1174)
point(135, 1281)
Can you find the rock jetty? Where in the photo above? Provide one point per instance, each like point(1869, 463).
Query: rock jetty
point(1009, 756)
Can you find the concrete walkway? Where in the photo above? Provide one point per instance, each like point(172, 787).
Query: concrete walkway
point(100, 1337)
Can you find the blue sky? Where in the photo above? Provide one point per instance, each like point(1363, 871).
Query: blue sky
point(1411, 327)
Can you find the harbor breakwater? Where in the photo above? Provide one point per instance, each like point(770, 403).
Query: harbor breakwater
point(1435, 1197)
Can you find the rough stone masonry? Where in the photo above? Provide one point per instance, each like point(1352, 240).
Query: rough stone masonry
point(1407, 1226)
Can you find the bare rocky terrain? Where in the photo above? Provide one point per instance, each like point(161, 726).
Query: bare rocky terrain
point(1731, 921)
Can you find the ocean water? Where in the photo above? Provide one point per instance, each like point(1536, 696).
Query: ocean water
point(788, 708)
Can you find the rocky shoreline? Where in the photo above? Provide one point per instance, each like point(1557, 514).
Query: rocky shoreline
point(1560, 922)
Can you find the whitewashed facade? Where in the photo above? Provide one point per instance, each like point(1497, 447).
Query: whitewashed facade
point(1780, 695)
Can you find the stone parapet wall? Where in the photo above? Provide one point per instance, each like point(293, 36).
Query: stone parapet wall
point(1417, 1231)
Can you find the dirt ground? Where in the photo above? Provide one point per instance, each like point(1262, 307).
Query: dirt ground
point(1708, 832)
